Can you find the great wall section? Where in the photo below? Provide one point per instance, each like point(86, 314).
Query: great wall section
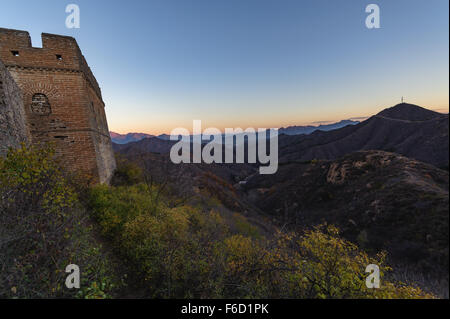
point(49, 94)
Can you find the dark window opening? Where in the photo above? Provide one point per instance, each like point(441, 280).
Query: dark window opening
point(61, 137)
point(15, 53)
point(59, 57)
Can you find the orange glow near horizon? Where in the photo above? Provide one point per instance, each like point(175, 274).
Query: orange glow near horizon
point(165, 125)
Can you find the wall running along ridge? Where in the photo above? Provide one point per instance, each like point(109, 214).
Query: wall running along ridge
point(62, 101)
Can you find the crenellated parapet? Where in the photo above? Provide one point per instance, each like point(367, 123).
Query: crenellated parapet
point(61, 99)
point(58, 53)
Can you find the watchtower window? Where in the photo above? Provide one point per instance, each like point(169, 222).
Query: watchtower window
point(40, 104)
point(59, 57)
point(15, 53)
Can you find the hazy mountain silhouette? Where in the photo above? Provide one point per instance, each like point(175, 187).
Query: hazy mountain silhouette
point(297, 130)
point(406, 129)
point(151, 145)
point(127, 138)
point(291, 130)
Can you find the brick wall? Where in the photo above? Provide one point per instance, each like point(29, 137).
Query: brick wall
point(62, 100)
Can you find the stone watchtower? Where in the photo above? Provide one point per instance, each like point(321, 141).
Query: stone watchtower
point(62, 100)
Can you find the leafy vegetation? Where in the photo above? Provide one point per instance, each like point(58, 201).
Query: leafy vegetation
point(43, 228)
point(166, 250)
point(190, 252)
point(382, 201)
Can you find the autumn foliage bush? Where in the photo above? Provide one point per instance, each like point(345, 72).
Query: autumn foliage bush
point(187, 252)
point(168, 251)
point(43, 229)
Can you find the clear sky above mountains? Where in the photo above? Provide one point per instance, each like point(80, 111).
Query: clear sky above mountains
point(162, 64)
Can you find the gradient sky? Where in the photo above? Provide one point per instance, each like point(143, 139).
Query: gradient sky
point(251, 63)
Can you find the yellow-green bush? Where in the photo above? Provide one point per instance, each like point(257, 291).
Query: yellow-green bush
point(42, 229)
point(186, 252)
point(164, 246)
point(335, 268)
point(126, 173)
point(113, 208)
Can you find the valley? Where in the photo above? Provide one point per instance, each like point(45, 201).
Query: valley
point(383, 182)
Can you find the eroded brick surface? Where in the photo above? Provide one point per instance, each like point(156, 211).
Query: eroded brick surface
point(13, 128)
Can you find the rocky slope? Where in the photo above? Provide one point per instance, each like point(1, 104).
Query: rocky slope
point(380, 200)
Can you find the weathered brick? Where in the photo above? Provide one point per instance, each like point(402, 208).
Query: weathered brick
point(62, 100)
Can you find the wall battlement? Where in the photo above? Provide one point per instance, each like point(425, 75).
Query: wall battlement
point(57, 52)
point(61, 98)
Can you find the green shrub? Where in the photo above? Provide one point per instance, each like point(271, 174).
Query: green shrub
point(127, 173)
point(244, 227)
point(186, 252)
point(164, 246)
point(113, 206)
point(42, 228)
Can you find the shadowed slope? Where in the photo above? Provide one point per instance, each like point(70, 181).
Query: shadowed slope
point(405, 129)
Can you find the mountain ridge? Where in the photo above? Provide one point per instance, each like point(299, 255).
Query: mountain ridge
point(290, 130)
point(308, 129)
point(409, 130)
point(409, 112)
point(380, 200)
point(406, 129)
point(127, 138)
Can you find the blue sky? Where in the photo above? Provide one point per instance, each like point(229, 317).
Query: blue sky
point(251, 63)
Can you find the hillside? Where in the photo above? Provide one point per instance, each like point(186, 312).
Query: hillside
point(380, 200)
point(409, 112)
point(378, 181)
point(151, 145)
point(406, 129)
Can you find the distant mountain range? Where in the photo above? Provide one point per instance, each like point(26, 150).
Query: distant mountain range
point(127, 138)
point(297, 130)
point(383, 181)
point(152, 144)
point(134, 137)
point(291, 130)
point(406, 129)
